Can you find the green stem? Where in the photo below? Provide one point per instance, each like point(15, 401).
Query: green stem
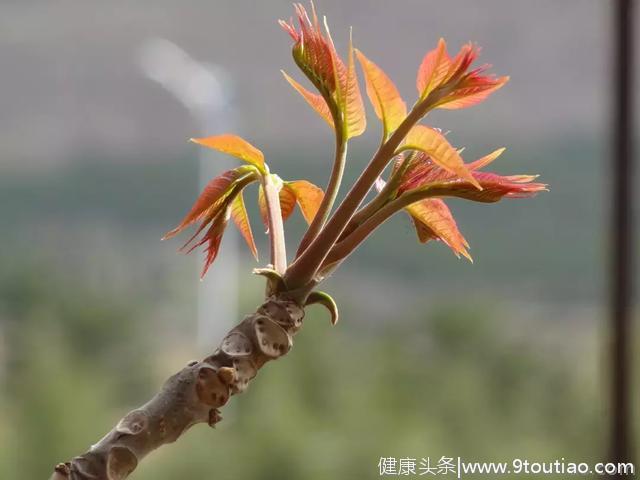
point(304, 268)
point(276, 229)
point(345, 247)
point(387, 193)
point(330, 195)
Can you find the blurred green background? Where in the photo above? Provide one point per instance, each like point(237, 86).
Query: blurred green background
point(504, 358)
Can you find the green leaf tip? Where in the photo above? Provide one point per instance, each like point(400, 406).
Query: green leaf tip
point(325, 300)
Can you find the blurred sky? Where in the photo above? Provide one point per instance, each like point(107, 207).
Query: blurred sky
point(72, 85)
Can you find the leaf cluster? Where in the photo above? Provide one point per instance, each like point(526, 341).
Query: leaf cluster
point(425, 168)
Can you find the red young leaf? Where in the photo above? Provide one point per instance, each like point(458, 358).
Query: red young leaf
point(317, 102)
point(384, 96)
point(423, 173)
point(309, 197)
point(236, 146)
point(241, 219)
point(431, 216)
point(463, 88)
point(316, 56)
point(486, 160)
point(494, 187)
point(433, 70)
point(210, 199)
point(462, 61)
point(213, 239)
point(433, 221)
point(311, 51)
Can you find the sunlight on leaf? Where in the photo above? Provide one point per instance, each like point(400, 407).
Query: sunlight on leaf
point(494, 187)
point(461, 88)
point(383, 94)
point(235, 146)
point(309, 197)
point(486, 160)
point(434, 144)
point(317, 102)
point(311, 50)
point(353, 107)
point(433, 70)
point(433, 220)
point(471, 91)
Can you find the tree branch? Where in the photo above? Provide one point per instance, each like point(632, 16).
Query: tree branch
point(379, 200)
point(305, 267)
point(191, 396)
point(345, 247)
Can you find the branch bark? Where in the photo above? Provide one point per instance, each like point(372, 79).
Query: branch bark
point(193, 395)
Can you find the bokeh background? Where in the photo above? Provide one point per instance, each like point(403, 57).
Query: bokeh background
point(504, 358)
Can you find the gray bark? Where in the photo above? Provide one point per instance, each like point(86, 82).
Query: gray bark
point(193, 395)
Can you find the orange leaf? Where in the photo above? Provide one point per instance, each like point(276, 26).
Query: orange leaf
point(461, 88)
point(236, 146)
point(317, 57)
point(434, 144)
point(347, 91)
point(211, 198)
point(317, 102)
point(241, 219)
point(356, 121)
point(424, 174)
point(433, 220)
point(471, 92)
point(433, 70)
point(287, 203)
point(262, 206)
point(309, 197)
point(486, 160)
point(384, 96)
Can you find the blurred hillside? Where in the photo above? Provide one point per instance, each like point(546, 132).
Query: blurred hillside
point(472, 380)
